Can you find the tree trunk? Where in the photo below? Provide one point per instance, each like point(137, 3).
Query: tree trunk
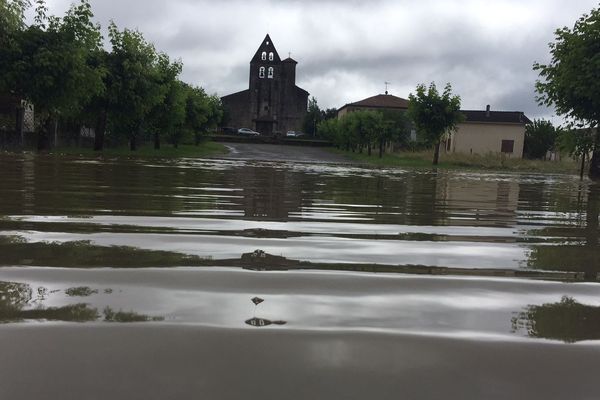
point(595, 162)
point(582, 165)
point(380, 148)
point(156, 141)
point(55, 133)
point(42, 143)
point(20, 124)
point(436, 154)
point(132, 144)
point(369, 149)
point(100, 129)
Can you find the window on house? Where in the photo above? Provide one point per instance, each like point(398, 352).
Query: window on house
point(270, 76)
point(271, 57)
point(264, 55)
point(508, 146)
point(261, 72)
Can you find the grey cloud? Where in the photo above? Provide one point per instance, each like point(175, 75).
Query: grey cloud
point(346, 49)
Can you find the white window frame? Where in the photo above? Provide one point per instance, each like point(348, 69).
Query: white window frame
point(264, 55)
point(271, 56)
point(270, 73)
point(261, 72)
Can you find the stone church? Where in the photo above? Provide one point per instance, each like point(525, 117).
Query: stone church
point(273, 103)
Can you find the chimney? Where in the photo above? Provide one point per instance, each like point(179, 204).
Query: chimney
point(487, 111)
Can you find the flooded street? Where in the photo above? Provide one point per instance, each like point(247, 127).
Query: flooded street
point(233, 277)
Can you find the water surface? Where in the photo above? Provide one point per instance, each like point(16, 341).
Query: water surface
point(482, 237)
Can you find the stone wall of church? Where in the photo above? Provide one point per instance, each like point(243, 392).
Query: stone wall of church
point(236, 106)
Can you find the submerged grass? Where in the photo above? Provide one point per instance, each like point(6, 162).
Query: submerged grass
point(492, 162)
point(204, 149)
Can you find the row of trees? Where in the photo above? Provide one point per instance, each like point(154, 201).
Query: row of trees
point(126, 93)
point(432, 113)
point(366, 130)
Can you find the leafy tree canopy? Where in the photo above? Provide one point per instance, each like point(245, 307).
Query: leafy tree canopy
point(540, 137)
point(570, 82)
point(434, 113)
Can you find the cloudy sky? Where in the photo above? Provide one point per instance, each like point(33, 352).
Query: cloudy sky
point(347, 49)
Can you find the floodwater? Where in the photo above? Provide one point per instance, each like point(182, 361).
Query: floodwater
point(234, 276)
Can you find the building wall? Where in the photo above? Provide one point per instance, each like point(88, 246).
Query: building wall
point(485, 138)
point(272, 104)
point(238, 109)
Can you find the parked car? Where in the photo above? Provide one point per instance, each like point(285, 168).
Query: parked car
point(247, 132)
point(294, 134)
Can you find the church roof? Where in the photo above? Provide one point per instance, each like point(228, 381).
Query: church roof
point(266, 46)
point(381, 101)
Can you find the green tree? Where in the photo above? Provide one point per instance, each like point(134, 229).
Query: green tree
point(540, 137)
point(169, 114)
point(49, 64)
point(395, 128)
point(434, 114)
point(571, 80)
point(12, 24)
point(12, 17)
point(312, 118)
point(215, 113)
point(330, 113)
point(577, 143)
point(196, 113)
point(136, 84)
point(330, 129)
point(370, 128)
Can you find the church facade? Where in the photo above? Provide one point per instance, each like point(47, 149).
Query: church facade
point(273, 103)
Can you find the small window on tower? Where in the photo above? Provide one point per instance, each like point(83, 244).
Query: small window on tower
point(264, 55)
point(270, 73)
point(261, 72)
point(271, 57)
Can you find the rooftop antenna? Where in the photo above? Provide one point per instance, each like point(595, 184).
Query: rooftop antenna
point(386, 86)
point(289, 54)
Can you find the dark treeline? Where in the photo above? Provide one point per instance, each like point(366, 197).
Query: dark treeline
point(126, 92)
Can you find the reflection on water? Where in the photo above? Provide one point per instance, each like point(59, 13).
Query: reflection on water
point(16, 303)
point(261, 216)
point(111, 315)
point(480, 308)
point(566, 320)
point(81, 291)
point(125, 213)
point(261, 322)
point(582, 248)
